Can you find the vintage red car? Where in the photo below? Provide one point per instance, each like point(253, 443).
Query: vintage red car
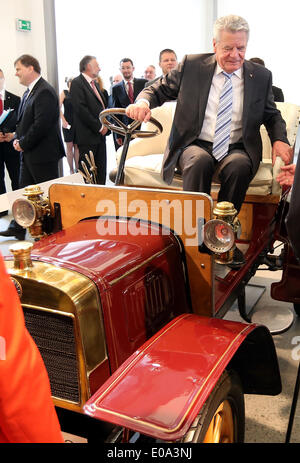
point(126, 304)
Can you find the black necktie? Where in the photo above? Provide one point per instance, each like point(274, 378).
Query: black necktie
point(22, 104)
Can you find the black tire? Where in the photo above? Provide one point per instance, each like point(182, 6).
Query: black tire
point(297, 309)
point(228, 390)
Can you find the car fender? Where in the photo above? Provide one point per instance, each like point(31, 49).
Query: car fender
point(160, 389)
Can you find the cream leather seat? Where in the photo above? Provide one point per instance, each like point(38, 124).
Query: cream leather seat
point(144, 158)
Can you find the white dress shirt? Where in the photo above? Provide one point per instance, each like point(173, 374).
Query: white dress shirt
point(209, 123)
point(30, 87)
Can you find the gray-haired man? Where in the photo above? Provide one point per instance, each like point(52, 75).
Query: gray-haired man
point(208, 87)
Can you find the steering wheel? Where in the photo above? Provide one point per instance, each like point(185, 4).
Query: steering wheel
point(123, 129)
point(128, 131)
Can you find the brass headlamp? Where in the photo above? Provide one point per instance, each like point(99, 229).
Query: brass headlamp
point(29, 213)
point(220, 233)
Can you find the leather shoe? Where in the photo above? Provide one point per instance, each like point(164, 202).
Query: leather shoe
point(3, 213)
point(238, 259)
point(19, 234)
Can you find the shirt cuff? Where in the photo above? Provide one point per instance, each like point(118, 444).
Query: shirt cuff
point(143, 100)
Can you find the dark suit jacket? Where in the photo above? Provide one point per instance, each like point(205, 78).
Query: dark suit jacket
point(11, 101)
point(278, 93)
point(120, 98)
point(87, 107)
point(190, 84)
point(38, 128)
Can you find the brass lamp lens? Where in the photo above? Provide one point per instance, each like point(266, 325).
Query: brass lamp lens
point(218, 236)
point(24, 212)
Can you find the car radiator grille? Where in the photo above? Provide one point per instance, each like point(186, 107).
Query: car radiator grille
point(54, 337)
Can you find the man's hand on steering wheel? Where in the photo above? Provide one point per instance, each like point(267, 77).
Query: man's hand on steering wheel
point(139, 111)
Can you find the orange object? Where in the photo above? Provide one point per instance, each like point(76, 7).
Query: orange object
point(27, 413)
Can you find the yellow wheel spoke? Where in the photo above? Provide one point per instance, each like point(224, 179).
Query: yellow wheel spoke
point(221, 428)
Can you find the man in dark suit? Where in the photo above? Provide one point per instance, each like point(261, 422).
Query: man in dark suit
point(38, 135)
point(9, 157)
point(167, 62)
point(88, 101)
point(277, 92)
point(245, 90)
point(125, 92)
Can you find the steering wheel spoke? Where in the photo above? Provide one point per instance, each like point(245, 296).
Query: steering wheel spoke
point(134, 125)
point(123, 129)
point(129, 132)
point(119, 122)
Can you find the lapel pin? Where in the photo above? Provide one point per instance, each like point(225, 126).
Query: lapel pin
point(251, 75)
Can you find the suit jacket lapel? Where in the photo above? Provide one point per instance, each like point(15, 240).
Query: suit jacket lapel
point(204, 79)
point(248, 89)
point(101, 94)
point(35, 88)
point(136, 90)
point(6, 100)
point(125, 93)
point(87, 85)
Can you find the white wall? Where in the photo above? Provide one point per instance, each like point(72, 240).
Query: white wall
point(274, 37)
point(15, 43)
point(110, 32)
point(103, 29)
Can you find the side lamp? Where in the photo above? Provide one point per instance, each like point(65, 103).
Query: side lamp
point(220, 233)
point(30, 212)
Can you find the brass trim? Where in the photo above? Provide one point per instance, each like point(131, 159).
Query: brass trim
point(50, 288)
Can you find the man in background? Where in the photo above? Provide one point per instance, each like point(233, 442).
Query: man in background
point(125, 92)
point(167, 62)
point(9, 157)
point(88, 102)
point(150, 72)
point(38, 135)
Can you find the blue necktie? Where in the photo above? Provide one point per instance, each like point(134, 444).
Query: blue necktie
point(22, 104)
point(223, 124)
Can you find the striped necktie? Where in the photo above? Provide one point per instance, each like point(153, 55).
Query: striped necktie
point(223, 124)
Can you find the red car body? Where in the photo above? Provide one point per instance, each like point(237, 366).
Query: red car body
point(161, 357)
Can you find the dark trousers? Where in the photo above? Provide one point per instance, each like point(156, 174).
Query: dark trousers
point(99, 152)
point(31, 174)
point(234, 172)
point(10, 158)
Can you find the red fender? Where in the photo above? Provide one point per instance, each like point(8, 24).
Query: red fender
point(160, 389)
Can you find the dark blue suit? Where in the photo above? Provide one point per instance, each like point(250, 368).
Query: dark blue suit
point(39, 135)
point(120, 99)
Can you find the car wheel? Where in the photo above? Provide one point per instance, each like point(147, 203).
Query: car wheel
point(222, 418)
point(297, 309)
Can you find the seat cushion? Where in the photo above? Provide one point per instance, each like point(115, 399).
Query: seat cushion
point(146, 171)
